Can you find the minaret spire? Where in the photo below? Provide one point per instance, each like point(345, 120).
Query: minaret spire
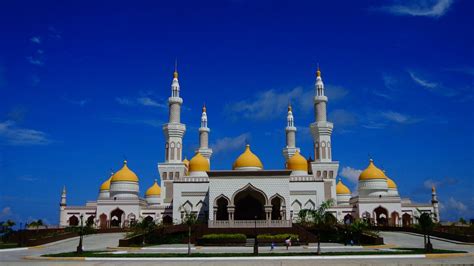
point(204, 130)
point(62, 209)
point(290, 131)
point(435, 203)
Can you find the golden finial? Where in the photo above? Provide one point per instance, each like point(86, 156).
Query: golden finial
point(124, 162)
point(175, 74)
point(289, 107)
point(433, 189)
point(318, 72)
point(204, 108)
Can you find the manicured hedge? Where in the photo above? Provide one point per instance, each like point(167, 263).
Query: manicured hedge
point(276, 238)
point(222, 239)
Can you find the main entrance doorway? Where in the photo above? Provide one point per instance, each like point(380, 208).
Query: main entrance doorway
point(249, 204)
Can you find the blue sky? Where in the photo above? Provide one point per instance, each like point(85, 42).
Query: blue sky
point(84, 85)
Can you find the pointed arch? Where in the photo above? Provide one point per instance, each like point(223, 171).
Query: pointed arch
point(250, 187)
point(187, 206)
point(310, 205)
point(282, 199)
point(296, 206)
point(221, 196)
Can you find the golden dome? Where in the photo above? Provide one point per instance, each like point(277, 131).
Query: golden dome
point(175, 74)
point(372, 172)
point(154, 190)
point(106, 184)
point(297, 162)
point(247, 159)
point(390, 183)
point(125, 174)
point(318, 72)
point(341, 188)
point(199, 163)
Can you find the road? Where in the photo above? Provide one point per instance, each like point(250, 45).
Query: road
point(103, 241)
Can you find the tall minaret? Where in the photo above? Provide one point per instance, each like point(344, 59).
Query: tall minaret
point(62, 209)
point(173, 167)
point(323, 166)
point(204, 130)
point(321, 129)
point(174, 130)
point(290, 130)
point(435, 203)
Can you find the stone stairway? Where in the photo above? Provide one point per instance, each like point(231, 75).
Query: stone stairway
point(250, 242)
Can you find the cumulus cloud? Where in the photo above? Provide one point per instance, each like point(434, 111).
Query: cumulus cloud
point(399, 117)
point(343, 118)
point(350, 173)
point(13, 135)
point(271, 104)
point(230, 143)
point(6, 212)
point(422, 8)
point(446, 181)
point(455, 205)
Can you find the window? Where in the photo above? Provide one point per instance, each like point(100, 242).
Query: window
point(323, 150)
point(178, 153)
point(329, 150)
point(325, 174)
point(167, 150)
point(171, 175)
point(165, 175)
point(316, 150)
point(172, 151)
point(331, 174)
point(176, 175)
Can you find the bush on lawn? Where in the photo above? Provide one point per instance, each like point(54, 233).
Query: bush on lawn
point(277, 238)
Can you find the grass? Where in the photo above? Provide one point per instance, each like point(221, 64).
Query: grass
point(8, 245)
point(398, 251)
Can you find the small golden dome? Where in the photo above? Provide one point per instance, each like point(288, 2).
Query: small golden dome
point(391, 184)
point(175, 74)
point(154, 190)
point(372, 172)
point(124, 174)
point(247, 159)
point(289, 108)
point(204, 108)
point(186, 161)
point(106, 184)
point(341, 188)
point(297, 163)
point(199, 163)
point(318, 72)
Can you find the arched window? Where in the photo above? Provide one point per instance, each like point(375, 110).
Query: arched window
point(318, 173)
point(323, 150)
point(329, 150)
point(325, 174)
point(167, 151)
point(176, 175)
point(331, 174)
point(171, 175)
point(178, 153)
point(165, 175)
point(172, 147)
point(316, 150)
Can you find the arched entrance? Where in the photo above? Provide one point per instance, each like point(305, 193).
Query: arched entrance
point(73, 221)
point(394, 219)
point(103, 221)
point(249, 203)
point(406, 220)
point(276, 208)
point(348, 219)
point(90, 221)
point(381, 216)
point(222, 213)
point(116, 218)
point(167, 220)
point(148, 219)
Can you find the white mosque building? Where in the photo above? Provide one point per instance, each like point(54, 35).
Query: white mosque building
point(247, 194)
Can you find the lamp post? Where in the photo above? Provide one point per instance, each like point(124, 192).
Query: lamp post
point(255, 245)
point(79, 247)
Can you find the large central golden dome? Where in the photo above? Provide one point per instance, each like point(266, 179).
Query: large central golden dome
point(372, 172)
point(247, 160)
point(124, 174)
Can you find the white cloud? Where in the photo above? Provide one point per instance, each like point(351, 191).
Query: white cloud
point(350, 173)
point(456, 205)
point(423, 8)
point(343, 118)
point(230, 143)
point(422, 82)
point(144, 101)
point(271, 104)
point(397, 117)
point(131, 121)
point(35, 39)
point(34, 61)
point(14, 135)
point(81, 103)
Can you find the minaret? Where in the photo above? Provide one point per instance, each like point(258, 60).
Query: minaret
point(174, 130)
point(62, 209)
point(321, 129)
point(435, 203)
point(323, 166)
point(290, 130)
point(204, 130)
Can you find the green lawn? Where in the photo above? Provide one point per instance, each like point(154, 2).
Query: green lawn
point(8, 245)
point(177, 255)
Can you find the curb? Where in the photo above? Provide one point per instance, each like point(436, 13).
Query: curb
point(13, 249)
point(381, 246)
point(55, 258)
point(448, 255)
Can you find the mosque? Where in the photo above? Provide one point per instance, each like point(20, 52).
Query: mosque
point(247, 195)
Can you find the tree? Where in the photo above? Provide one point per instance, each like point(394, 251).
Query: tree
point(426, 225)
point(357, 227)
point(462, 221)
point(319, 218)
point(189, 219)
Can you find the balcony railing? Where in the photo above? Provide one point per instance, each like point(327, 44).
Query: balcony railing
point(249, 223)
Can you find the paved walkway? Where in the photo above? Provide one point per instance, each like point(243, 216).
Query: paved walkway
point(103, 241)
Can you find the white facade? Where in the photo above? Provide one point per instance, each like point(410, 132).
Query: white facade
point(248, 195)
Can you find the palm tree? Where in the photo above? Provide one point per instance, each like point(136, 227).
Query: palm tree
point(426, 225)
point(189, 219)
point(321, 218)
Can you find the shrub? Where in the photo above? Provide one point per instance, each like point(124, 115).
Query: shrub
point(224, 237)
point(277, 238)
